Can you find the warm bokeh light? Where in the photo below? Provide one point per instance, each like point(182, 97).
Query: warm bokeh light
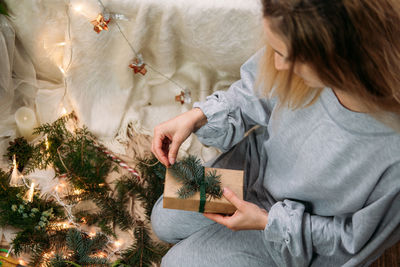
point(118, 243)
point(62, 70)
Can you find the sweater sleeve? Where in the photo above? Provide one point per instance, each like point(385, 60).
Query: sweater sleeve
point(233, 112)
point(348, 239)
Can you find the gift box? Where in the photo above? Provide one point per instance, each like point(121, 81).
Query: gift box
point(231, 179)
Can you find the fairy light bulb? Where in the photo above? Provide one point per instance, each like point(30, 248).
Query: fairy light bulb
point(31, 192)
point(102, 255)
point(62, 70)
point(16, 176)
point(118, 243)
point(63, 111)
point(82, 10)
point(78, 8)
point(78, 191)
point(60, 187)
point(46, 142)
point(14, 162)
point(61, 44)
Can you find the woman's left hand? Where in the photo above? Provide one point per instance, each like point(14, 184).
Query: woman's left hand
point(248, 216)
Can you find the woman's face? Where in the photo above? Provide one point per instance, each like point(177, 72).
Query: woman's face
point(281, 62)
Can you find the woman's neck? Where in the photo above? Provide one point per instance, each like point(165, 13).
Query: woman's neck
point(349, 101)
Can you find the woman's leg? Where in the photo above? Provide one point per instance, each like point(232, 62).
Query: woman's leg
point(217, 246)
point(172, 225)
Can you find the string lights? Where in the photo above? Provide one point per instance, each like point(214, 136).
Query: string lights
point(139, 65)
point(138, 55)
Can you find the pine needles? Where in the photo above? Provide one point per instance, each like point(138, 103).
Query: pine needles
point(81, 250)
point(76, 156)
point(190, 173)
point(143, 252)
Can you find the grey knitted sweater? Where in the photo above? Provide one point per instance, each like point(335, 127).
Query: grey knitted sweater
point(329, 177)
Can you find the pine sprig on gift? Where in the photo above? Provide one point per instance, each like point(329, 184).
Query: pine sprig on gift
point(190, 172)
point(213, 184)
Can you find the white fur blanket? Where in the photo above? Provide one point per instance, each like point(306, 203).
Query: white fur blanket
point(198, 44)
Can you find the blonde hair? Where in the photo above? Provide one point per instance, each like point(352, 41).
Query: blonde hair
point(352, 45)
point(290, 89)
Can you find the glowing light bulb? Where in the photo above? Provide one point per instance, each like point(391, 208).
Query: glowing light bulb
point(63, 111)
point(118, 243)
point(46, 142)
point(61, 44)
point(62, 70)
point(81, 9)
point(14, 162)
point(78, 191)
point(60, 187)
point(21, 262)
point(31, 192)
point(78, 8)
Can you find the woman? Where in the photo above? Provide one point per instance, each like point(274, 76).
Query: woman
point(322, 169)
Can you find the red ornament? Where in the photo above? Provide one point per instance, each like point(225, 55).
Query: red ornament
point(184, 97)
point(138, 65)
point(100, 23)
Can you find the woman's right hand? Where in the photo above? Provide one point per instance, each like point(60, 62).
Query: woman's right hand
point(169, 135)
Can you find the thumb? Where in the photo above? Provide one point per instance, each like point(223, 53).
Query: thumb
point(173, 151)
point(233, 198)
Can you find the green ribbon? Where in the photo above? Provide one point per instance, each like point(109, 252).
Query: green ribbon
point(202, 194)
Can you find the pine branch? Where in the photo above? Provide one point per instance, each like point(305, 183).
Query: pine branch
point(57, 261)
point(3, 8)
point(213, 184)
point(76, 155)
point(143, 252)
point(22, 150)
point(190, 173)
point(82, 248)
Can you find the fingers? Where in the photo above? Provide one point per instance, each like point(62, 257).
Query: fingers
point(217, 218)
point(164, 149)
point(158, 148)
point(173, 151)
point(232, 198)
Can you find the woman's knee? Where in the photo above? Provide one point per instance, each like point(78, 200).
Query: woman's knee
point(174, 225)
point(159, 222)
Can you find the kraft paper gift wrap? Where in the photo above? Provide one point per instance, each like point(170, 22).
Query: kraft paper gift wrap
point(232, 179)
